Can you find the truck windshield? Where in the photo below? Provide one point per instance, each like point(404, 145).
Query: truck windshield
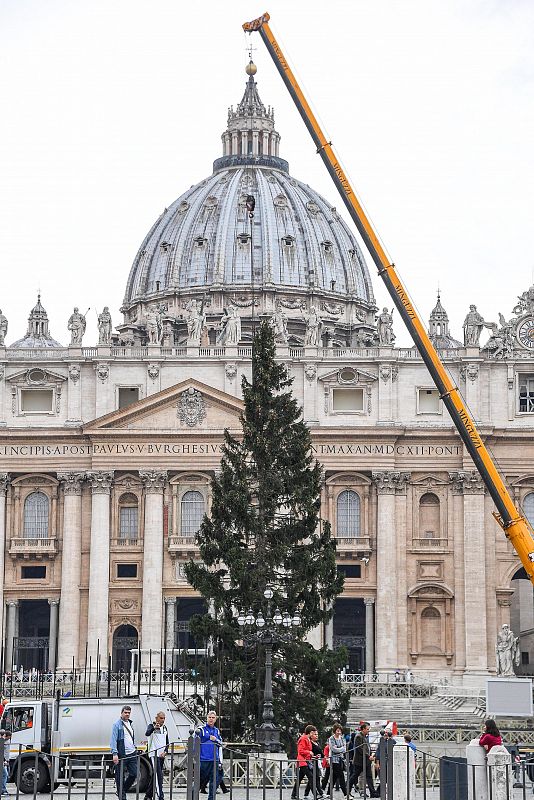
point(19, 718)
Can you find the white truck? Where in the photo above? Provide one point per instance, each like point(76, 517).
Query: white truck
point(67, 739)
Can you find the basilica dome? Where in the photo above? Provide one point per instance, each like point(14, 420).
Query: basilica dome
point(294, 245)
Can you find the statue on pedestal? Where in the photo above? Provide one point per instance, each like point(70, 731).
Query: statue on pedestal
point(104, 326)
point(473, 324)
point(3, 329)
point(230, 332)
point(279, 323)
point(76, 325)
point(386, 337)
point(195, 323)
point(506, 652)
point(152, 327)
point(314, 325)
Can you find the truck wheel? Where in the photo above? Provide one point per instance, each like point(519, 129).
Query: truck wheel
point(25, 775)
point(144, 778)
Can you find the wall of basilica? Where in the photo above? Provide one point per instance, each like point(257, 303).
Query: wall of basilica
point(99, 503)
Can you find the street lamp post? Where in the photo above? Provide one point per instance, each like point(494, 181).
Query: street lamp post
point(267, 630)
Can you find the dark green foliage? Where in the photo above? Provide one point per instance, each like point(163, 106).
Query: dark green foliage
point(265, 529)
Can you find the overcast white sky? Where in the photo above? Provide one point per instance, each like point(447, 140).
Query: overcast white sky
point(112, 109)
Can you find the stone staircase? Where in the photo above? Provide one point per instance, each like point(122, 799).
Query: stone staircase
point(449, 711)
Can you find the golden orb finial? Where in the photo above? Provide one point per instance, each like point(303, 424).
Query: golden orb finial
point(251, 68)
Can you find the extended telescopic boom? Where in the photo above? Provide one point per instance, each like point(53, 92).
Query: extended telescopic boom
point(515, 526)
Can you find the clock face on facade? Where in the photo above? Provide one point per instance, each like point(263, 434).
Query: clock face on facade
point(525, 333)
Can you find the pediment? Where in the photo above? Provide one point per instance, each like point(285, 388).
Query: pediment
point(429, 481)
point(188, 407)
point(35, 376)
point(348, 376)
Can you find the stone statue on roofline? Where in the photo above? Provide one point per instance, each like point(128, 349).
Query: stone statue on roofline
point(104, 327)
point(3, 329)
point(473, 324)
point(386, 337)
point(76, 325)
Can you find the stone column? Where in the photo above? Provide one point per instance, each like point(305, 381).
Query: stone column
point(4, 484)
point(97, 622)
point(369, 634)
point(69, 610)
point(11, 625)
point(170, 605)
point(388, 484)
point(152, 620)
point(470, 485)
point(52, 636)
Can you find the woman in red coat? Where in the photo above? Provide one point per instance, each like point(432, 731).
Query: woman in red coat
point(491, 736)
point(305, 760)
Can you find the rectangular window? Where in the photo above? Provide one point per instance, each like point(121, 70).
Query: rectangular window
point(526, 394)
point(36, 401)
point(128, 524)
point(525, 658)
point(348, 400)
point(128, 395)
point(349, 570)
point(428, 401)
point(126, 570)
point(33, 573)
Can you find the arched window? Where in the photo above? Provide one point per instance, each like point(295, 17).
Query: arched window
point(128, 517)
point(348, 514)
point(528, 507)
point(429, 522)
point(431, 630)
point(192, 513)
point(36, 508)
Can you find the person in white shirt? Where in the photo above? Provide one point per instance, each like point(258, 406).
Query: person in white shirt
point(157, 748)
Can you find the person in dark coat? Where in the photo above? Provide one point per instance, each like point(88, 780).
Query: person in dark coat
point(361, 761)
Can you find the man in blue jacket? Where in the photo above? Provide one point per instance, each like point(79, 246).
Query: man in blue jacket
point(210, 742)
point(122, 745)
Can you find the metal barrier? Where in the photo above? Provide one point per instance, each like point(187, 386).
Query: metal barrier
point(401, 775)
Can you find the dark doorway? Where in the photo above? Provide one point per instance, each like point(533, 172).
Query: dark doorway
point(349, 630)
point(31, 645)
point(187, 607)
point(125, 638)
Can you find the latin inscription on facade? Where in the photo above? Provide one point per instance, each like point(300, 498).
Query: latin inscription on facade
point(213, 448)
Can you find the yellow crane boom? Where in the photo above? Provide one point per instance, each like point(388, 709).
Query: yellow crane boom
point(514, 524)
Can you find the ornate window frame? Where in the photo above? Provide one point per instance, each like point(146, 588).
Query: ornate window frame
point(36, 377)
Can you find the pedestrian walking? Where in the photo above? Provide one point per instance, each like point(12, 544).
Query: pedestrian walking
point(157, 749)
point(337, 747)
point(124, 750)
point(305, 759)
point(362, 760)
point(5, 743)
point(210, 742)
point(317, 752)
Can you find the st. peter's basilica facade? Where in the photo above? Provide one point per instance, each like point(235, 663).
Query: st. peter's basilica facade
point(106, 450)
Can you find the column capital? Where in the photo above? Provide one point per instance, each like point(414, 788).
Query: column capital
point(5, 480)
point(100, 481)
point(369, 601)
point(71, 482)
point(390, 482)
point(467, 483)
point(12, 603)
point(170, 600)
point(54, 601)
point(154, 480)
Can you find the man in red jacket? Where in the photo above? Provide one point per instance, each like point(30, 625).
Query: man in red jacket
point(305, 760)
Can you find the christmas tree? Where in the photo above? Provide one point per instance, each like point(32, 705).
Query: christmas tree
point(265, 530)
